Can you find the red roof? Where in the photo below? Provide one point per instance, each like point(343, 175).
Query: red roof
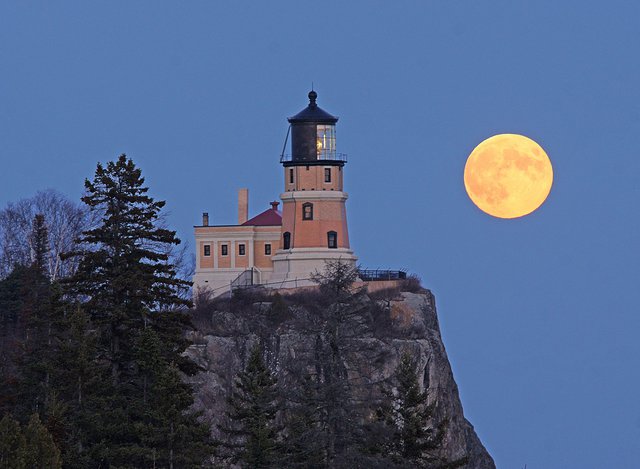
point(270, 217)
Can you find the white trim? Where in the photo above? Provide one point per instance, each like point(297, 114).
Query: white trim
point(304, 195)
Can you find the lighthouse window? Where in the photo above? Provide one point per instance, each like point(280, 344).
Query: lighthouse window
point(207, 249)
point(327, 174)
point(332, 240)
point(290, 175)
point(224, 250)
point(326, 142)
point(307, 211)
point(286, 240)
point(241, 249)
point(267, 249)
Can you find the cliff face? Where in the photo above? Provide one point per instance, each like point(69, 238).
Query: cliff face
point(374, 340)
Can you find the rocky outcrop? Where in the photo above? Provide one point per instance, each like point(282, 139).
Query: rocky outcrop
point(386, 325)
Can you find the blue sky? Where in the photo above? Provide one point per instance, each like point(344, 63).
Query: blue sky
point(539, 314)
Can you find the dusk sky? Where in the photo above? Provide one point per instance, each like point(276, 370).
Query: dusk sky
point(540, 315)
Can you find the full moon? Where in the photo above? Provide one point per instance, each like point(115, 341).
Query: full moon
point(508, 176)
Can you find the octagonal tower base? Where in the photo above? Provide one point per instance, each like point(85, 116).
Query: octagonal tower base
point(295, 267)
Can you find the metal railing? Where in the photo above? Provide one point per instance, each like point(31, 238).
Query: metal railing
point(244, 280)
point(373, 275)
point(322, 157)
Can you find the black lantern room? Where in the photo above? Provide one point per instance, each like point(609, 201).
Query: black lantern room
point(313, 137)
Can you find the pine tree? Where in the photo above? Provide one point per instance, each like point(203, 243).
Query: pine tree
point(37, 316)
point(415, 434)
point(253, 434)
point(81, 384)
point(343, 309)
point(165, 427)
point(40, 451)
point(414, 414)
point(125, 272)
point(12, 444)
point(26, 308)
point(39, 241)
point(127, 284)
point(305, 442)
point(11, 337)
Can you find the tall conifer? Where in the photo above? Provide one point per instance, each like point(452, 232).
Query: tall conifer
point(127, 284)
point(252, 435)
point(416, 433)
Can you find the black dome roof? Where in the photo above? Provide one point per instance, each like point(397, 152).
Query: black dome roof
point(313, 113)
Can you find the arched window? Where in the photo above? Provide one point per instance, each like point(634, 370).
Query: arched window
point(286, 239)
point(307, 211)
point(332, 240)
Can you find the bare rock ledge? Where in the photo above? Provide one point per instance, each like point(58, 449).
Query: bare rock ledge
point(222, 341)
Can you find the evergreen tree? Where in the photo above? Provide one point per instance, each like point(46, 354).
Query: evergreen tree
point(28, 448)
point(40, 451)
point(12, 444)
point(26, 309)
point(165, 427)
point(39, 241)
point(127, 285)
point(125, 273)
point(252, 433)
point(11, 337)
point(305, 442)
point(38, 305)
point(414, 414)
point(343, 310)
point(81, 383)
point(414, 433)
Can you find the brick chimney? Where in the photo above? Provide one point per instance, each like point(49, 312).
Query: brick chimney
point(243, 205)
point(274, 205)
point(205, 219)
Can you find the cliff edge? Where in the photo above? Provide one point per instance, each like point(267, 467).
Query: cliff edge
point(292, 332)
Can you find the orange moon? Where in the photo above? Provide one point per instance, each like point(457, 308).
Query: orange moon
point(508, 176)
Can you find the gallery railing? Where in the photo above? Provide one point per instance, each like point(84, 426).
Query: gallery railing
point(373, 275)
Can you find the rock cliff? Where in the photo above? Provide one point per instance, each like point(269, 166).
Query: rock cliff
point(376, 334)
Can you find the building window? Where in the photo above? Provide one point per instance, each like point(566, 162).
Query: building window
point(241, 250)
point(286, 240)
point(224, 249)
point(290, 175)
point(307, 211)
point(267, 249)
point(207, 250)
point(327, 174)
point(332, 240)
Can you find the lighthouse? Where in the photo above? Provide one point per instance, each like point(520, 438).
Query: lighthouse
point(283, 248)
point(314, 216)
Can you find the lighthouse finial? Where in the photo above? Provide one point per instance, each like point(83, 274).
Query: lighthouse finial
point(312, 98)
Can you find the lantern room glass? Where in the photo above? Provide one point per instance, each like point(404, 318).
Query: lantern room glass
point(326, 142)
